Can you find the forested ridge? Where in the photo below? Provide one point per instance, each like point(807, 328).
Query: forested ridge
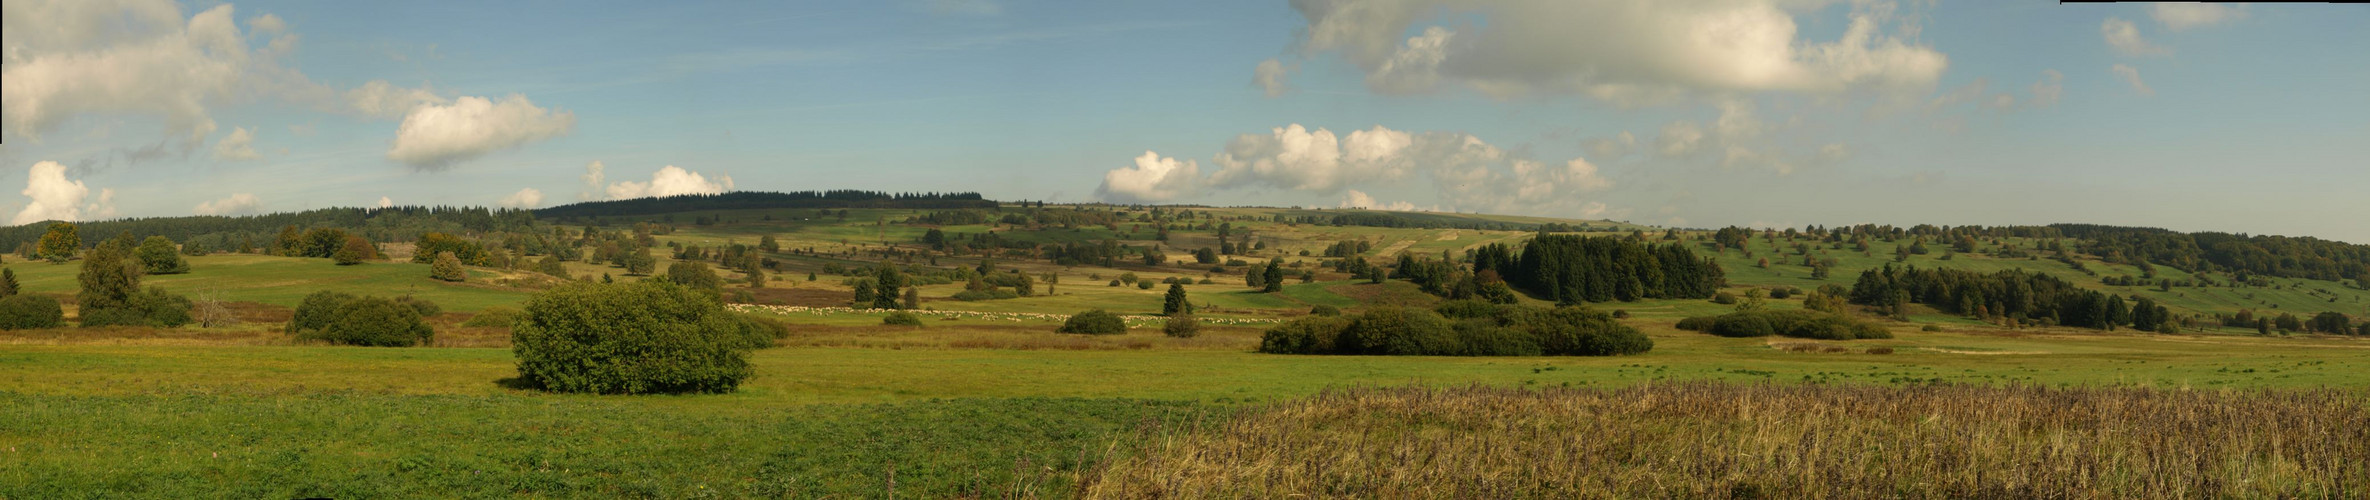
point(2283, 256)
point(229, 232)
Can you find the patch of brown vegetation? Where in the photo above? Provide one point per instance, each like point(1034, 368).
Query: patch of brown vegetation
point(1711, 440)
point(1386, 294)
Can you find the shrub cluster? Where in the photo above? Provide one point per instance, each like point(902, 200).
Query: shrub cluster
point(1182, 326)
point(1095, 322)
point(343, 318)
point(493, 317)
point(902, 318)
point(634, 338)
point(1797, 323)
point(19, 312)
point(1460, 328)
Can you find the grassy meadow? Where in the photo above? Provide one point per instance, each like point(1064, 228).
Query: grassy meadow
point(986, 401)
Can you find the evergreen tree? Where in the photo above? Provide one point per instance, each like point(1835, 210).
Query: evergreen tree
point(1274, 276)
point(8, 285)
point(887, 282)
point(1175, 303)
point(913, 298)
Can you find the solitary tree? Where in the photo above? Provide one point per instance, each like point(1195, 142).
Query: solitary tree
point(1274, 276)
point(1175, 303)
point(888, 282)
point(913, 298)
point(8, 284)
point(60, 242)
point(355, 250)
point(694, 275)
point(159, 256)
point(446, 267)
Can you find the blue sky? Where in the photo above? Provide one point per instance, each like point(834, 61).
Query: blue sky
point(1756, 112)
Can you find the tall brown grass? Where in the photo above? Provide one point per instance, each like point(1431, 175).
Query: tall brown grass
point(1699, 440)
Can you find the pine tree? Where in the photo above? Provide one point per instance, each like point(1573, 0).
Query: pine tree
point(8, 285)
point(1274, 277)
point(1175, 303)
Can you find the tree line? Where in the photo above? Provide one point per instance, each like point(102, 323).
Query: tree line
point(741, 200)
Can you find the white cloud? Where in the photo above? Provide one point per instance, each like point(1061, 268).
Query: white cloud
point(1679, 138)
point(2125, 38)
point(1153, 179)
point(1465, 172)
point(1360, 200)
point(384, 100)
point(2047, 91)
point(2183, 16)
point(56, 198)
point(1614, 148)
point(237, 204)
point(385, 202)
point(1272, 76)
point(1293, 157)
point(670, 181)
point(2131, 76)
point(1617, 50)
point(594, 174)
point(524, 198)
point(66, 58)
point(434, 137)
point(239, 145)
point(267, 24)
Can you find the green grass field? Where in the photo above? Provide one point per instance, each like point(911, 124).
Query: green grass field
point(991, 403)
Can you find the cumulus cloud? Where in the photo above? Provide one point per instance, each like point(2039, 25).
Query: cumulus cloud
point(524, 198)
point(1679, 138)
point(385, 202)
point(239, 145)
point(669, 181)
point(237, 204)
point(54, 197)
point(1360, 200)
point(66, 58)
point(1293, 157)
point(435, 136)
point(1617, 50)
point(1464, 171)
point(2183, 16)
point(1153, 179)
point(267, 24)
point(2131, 76)
point(1273, 77)
point(594, 173)
point(385, 100)
point(2125, 38)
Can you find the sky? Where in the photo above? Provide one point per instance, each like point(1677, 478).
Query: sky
point(1687, 113)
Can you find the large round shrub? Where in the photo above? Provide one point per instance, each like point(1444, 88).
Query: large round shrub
point(19, 312)
point(902, 318)
point(1484, 337)
point(377, 322)
point(1578, 331)
point(630, 338)
point(1401, 332)
point(317, 311)
point(1095, 322)
point(1182, 326)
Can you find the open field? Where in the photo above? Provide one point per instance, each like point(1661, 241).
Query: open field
point(985, 400)
point(1002, 409)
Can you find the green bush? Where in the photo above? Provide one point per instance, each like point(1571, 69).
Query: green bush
point(1144, 285)
point(1466, 309)
point(19, 312)
point(1481, 329)
point(1095, 322)
point(759, 332)
point(1324, 310)
point(902, 318)
point(342, 318)
point(1396, 331)
point(150, 307)
point(493, 317)
point(1799, 323)
point(377, 322)
point(1181, 326)
point(630, 338)
point(694, 275)
point(318, 310)
point(1311, 335)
